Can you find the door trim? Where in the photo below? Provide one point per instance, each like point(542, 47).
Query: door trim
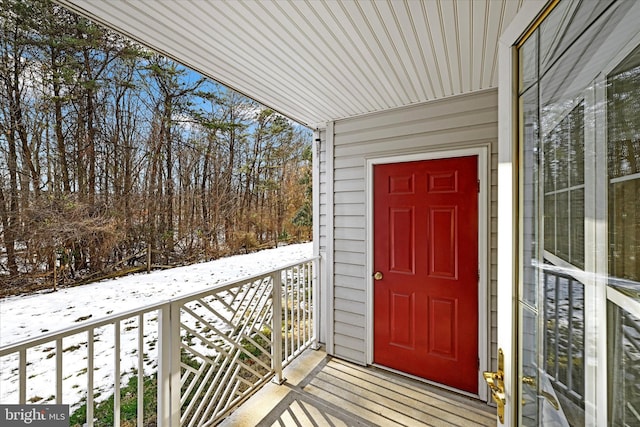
point(508, 199)
point(484, 246)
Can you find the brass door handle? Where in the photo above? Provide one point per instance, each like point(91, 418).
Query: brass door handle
point(377, 275)
point(495, 381)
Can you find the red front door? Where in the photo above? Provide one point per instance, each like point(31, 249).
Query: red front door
point(426, 249)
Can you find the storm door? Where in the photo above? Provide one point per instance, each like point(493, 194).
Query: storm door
point(579, 186)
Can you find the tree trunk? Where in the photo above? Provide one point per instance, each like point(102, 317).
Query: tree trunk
point(59, 119)
point(9, 235)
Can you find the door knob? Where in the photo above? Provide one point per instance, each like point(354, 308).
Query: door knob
point(377, 275)
point(495, 381)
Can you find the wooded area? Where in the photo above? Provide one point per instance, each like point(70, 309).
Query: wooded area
point(112, 157)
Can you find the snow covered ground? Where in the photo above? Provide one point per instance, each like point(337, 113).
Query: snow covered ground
point(22, 317)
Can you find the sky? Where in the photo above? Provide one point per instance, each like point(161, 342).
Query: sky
point(22, 317)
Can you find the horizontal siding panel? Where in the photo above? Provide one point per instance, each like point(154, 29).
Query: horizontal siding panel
point(349, 197)
point(355, 172)
point(349, 342)
point(349, 246)
point(350, 233)
point(349, 354)
point(425, 111)
point(350, 209)
point(351, 281)
point(349, 185)
point(349, 318)
point(422, 127)
point(465, 136)
point(350, 294)
point(351, 271)
point(351, 306)
point(349, 330)
point(345, 281)
point(351, 221)
point(349, 162)
point(349, 257)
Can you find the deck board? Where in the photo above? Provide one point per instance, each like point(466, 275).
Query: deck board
point(416, 394)
point(336, 393)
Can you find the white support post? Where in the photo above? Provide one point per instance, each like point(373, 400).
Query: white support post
point(164, 367)
point(276, 320)
point(176, 345)
point(316, 298)
point(168, 369)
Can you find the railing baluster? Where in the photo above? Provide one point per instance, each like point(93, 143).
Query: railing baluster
point(309, 294)
point(570, 326)
point(140, 396)
point(59, 374)
point(286, 318)
point(116, 374)
point(311, 298)
point(304, 306)
point(556, 327)
point(298, 307)
point(295, 319)
point(292, 315)
point(277, 326)
point(22, 375)
point(90, 356)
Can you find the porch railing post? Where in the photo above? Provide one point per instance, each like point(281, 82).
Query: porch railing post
point(176, 359)
point(164, 367)
point(276, 294)
point(315, 302)
point(168, 369)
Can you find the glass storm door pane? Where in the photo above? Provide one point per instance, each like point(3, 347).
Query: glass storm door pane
point(579, 206)
point(623, 161)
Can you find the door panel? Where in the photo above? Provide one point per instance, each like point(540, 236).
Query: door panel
point(426, 249)
point(443, 246)
point(443, 321)
point(401, 318)
point(401, 240)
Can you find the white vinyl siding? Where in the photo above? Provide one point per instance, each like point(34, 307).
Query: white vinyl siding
point(322, 185)
point(458, 122)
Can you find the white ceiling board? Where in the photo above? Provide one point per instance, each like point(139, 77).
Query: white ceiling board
point(465, 40)
point(322, 60)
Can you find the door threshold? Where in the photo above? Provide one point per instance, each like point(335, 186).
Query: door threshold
point(431, 383)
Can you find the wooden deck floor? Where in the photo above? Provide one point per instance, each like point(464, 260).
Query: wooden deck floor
point(339, 393)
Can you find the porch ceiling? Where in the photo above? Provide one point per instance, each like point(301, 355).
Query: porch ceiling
point(317, 61)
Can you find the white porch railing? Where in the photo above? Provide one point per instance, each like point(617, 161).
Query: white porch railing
point(205, 353)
